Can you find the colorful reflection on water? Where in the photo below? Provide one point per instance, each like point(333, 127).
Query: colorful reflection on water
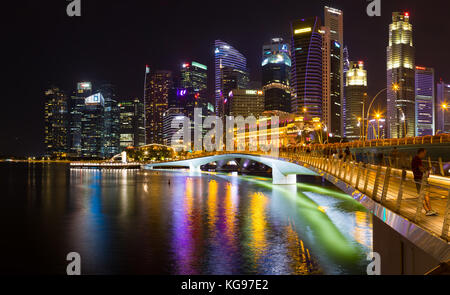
point(168, 222)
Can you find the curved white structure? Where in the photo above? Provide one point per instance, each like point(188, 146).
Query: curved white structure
point(283, 172)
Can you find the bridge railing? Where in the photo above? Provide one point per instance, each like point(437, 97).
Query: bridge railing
point(394, 188)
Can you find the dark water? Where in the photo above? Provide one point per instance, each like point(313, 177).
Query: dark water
point(135, 222)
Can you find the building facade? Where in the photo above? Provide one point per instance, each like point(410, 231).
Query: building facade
point(230, 73)
point(56, 119)
point(111, 131)
point(276, 71)
point(92, 126)
point(443, 107)
point(132, 131)
point(306, 73)
point(401, 114)
point(158, 85)
point(425, 101)
point(334, 21)
point(77, 105)
point(355, 94)
point(247, 102)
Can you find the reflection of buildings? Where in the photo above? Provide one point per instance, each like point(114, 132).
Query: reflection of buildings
point(306, 76)
point(401, 71)
point(425, 101)
point(56, 122)
point(355, 93)
point(276, 67)
point(132, 131)
point(443, 107)
point(230, 73)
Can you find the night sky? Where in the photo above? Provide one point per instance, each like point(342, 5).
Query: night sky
point(113, 40)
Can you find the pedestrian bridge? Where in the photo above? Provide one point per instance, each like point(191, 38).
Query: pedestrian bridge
point(283, 171)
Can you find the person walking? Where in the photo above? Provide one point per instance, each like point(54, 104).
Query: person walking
point(421, 173)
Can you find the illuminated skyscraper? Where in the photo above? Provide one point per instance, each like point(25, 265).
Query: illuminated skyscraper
point(77, 104)
point(276, 68)
point(230, 73)
point(334, 23)
point(93, 126)
point(157, 87)
point(425, 101)
point(247, 102)
point(56, 122)
point(306, 74)
point(110, 133)
point(194, 75)
point(443, 107)
point(355, 93)
point(401, 73)
point(346, 63)
point(132, 131)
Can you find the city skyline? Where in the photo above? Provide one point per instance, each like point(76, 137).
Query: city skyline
point(24, 142)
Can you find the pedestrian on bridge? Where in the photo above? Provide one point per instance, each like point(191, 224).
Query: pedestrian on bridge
point(420, 172)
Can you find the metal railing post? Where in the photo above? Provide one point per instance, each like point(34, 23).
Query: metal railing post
point(376, 184)
point(446, 224)
point(386, 184)
point(367, 180)
point(352, 171)
point(441, 166)
point(400, 191)
point(358, 176)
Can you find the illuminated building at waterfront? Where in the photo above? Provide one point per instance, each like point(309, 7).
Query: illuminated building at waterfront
point(306, 73)
point(276, 68)
point(401, 104)
point(230, 73)
point(56, 122)
point(425, 101)
point(355, 94)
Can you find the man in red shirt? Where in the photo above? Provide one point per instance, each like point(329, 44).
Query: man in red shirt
point(420, 172)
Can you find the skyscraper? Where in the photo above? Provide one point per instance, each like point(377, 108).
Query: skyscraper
point(425, 101)
point(194, 75)
point(247, 102)
point(401, 73)
point(334, 21)
point(355, 93)
point(93, 126)
point(56, 122)
point(110, 133)
point(132, 131)
point(443, 107)
point(276, 68)
point(306, 74)
point(346, 62)
point(230, 73)
point(77, 105)
point(157, 87)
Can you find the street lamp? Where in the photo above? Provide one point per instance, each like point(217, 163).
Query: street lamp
point(378, 117)
point(394, 87)
point(444, 107)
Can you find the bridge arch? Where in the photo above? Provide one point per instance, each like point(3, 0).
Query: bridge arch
point(283, 171)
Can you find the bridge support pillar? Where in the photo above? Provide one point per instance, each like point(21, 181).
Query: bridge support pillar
point(193, 168)
point(280, 178)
